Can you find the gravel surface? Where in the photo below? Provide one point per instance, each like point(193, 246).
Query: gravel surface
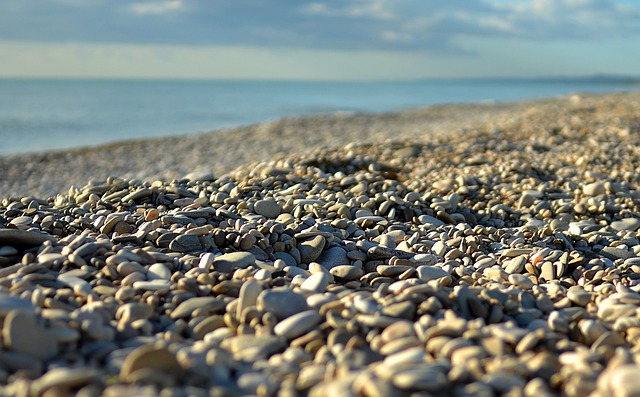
point(502, 259)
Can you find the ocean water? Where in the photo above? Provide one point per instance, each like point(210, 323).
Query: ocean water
point(40, 114)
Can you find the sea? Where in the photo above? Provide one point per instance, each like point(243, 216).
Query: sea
point(50, 114)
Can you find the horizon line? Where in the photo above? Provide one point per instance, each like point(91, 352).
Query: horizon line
point(596, 77)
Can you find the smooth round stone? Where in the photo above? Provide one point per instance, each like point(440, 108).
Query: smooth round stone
point(614, 253)
point(252, 347)
point(248, 297)
point(347, 273)
point(9, 303)
point(398, 330)
point(287, 258)
point(516, 265)
point(623, 381)
point(311, 249)
point(133, 311)
point(158, 271)
point(154, 357)
point(66, 378)
point(137, 194)
point(579, 296)
point(76, 283)
point(430, 220)
point(8, 250)
point(282, 302)
point(298, 324)
point(316, 283)
point(521, 280)
point(206, 260)
point(21, 238)
point(204, 303)
point(422, 378)
point(594, 189)
point(527, 199)
point(227, 263)
point(22, 333)
point(334, 256)
point(185, 243)
point(154, 285)
point(411, 356)
point(428, 273)
point(268, 208)
point(626, 224)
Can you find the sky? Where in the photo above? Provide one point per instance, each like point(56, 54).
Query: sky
point(318, 40)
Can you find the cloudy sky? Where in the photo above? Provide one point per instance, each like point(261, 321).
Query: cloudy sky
point(333, 39)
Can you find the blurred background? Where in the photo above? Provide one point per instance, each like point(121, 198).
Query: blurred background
point(85, 72)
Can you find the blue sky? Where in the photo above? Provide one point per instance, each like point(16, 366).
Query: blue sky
point(334, 39)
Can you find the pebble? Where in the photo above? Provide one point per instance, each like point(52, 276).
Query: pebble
point(316, 283)
point(22, 333)
point(297, 324)
point(249, 293)
point(334, 256)
point(9, 303)
point(346, 272)
point(151, 357)
point(66, 379)
point(206, 304)
point(282, 303)
point(594, 189)
point(428, 273)
point(626, 224)
point(185, 243)
point(21, 238)
point(158, 271)
point(311, 249)
point(268, 208)
point(616, 253)
point(227, 263)
point(428, 379)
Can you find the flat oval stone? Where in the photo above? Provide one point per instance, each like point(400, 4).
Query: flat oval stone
point(21, 238)
point(154, 285)
point(204, 303)
point(268, 208)
point(347, 272)
point(185, 243)
point(334, 256)
point(282, 302)
point(248, 296)
point(422, 378)
point(428, 273)
point(298, 324)
point(151, 357)
point(227, 263)
point(8, 303)
point(22, 333)
point(594, 189)
point(626, 224)
point(66, 378)
point(158, 271)
point(316, 283)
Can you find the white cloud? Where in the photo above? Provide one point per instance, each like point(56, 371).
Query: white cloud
point(418, 25)
point(156, 7)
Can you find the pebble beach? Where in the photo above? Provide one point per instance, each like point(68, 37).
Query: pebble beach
point(457, 250)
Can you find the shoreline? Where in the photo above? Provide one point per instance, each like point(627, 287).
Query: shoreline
point(44, 174)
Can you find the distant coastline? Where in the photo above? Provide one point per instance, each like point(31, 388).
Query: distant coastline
point(45, 114)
